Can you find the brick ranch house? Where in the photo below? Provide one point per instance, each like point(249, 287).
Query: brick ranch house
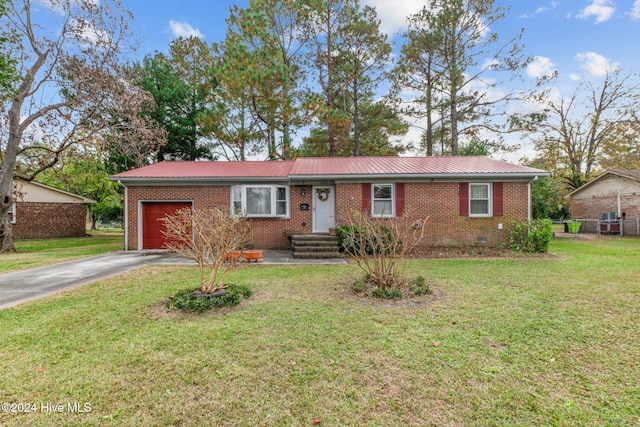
point(609, 198)
point(468, 200)
point(42, 211)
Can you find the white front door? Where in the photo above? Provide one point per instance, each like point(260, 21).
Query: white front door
point(324, 209)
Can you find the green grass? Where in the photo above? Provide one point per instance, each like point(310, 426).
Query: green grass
point(38, 252)
point(534, 341)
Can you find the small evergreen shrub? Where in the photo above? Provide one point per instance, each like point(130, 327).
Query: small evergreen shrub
point(419, 286)
point(388, 293)
point(531, 236)
point(358, 286)
point(183, 302)
point(415, 287)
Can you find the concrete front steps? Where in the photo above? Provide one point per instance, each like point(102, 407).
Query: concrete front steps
point(315, 246)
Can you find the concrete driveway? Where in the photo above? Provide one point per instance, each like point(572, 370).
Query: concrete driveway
point(21, 286)
point(25, 285)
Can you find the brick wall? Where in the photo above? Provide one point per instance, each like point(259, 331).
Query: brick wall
point(592, 207)
point(266, 233)
point(44, 220)
point(438, 201)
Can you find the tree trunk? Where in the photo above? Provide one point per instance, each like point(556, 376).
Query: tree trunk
point(429, 123)
point(332, 142)
point(6, 201)
point(356, 123)
point(454, 126)
point(6, 230)
point(94, 220)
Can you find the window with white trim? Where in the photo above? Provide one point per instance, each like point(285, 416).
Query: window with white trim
point(479, 199)
point(12, 213)
point(383, 202)
point(260, 200)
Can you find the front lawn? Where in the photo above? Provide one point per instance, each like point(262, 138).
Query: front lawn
point(547, 340)
point(37, 252)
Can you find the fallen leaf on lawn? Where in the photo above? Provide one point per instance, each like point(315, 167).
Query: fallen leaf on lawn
point(436, 343)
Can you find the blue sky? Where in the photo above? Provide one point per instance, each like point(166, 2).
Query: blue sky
point(580, 39)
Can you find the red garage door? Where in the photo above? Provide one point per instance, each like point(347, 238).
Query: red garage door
point(152, 226)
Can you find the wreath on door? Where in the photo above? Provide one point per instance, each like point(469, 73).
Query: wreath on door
point(323, 195)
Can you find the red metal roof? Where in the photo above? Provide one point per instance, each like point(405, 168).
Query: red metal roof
point(249, 169)
point(405, 165)
point(331, 167)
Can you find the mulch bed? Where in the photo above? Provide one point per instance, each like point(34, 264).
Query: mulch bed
point(462, 252)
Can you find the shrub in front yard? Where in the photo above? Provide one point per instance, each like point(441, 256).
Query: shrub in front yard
point(419, 286)
point(207, 236)
point(415, 287)
point(531, 236)
point(381, 246)
point(184, 301)
point(359, 239)
point(388, 293)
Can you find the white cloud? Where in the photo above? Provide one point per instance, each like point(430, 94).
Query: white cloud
point(543, 9)
point(487, 88)
point(483, 28)
point(595, 64)
point(393, 14)
point(540, 67)
point(575, 77)
point(601, 9)
point(58, 8)
point(554, 95)
point(635, 10)
point(183, 29)
point(490, 64)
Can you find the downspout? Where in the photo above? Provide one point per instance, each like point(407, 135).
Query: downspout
point(529, 198)
point(126, 216)
point(620, 220)
point(619, 208)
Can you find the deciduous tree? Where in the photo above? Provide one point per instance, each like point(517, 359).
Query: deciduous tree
point(8, 72)
point(381, 246)
point(85, 173)
point(207, 236)
point(72, 90)
point(578, 135)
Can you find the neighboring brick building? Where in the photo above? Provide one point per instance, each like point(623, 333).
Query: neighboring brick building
point(42, 212)
point(609, 198)
point(468, 200)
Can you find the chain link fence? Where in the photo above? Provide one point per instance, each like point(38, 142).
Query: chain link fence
point(621, 227)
